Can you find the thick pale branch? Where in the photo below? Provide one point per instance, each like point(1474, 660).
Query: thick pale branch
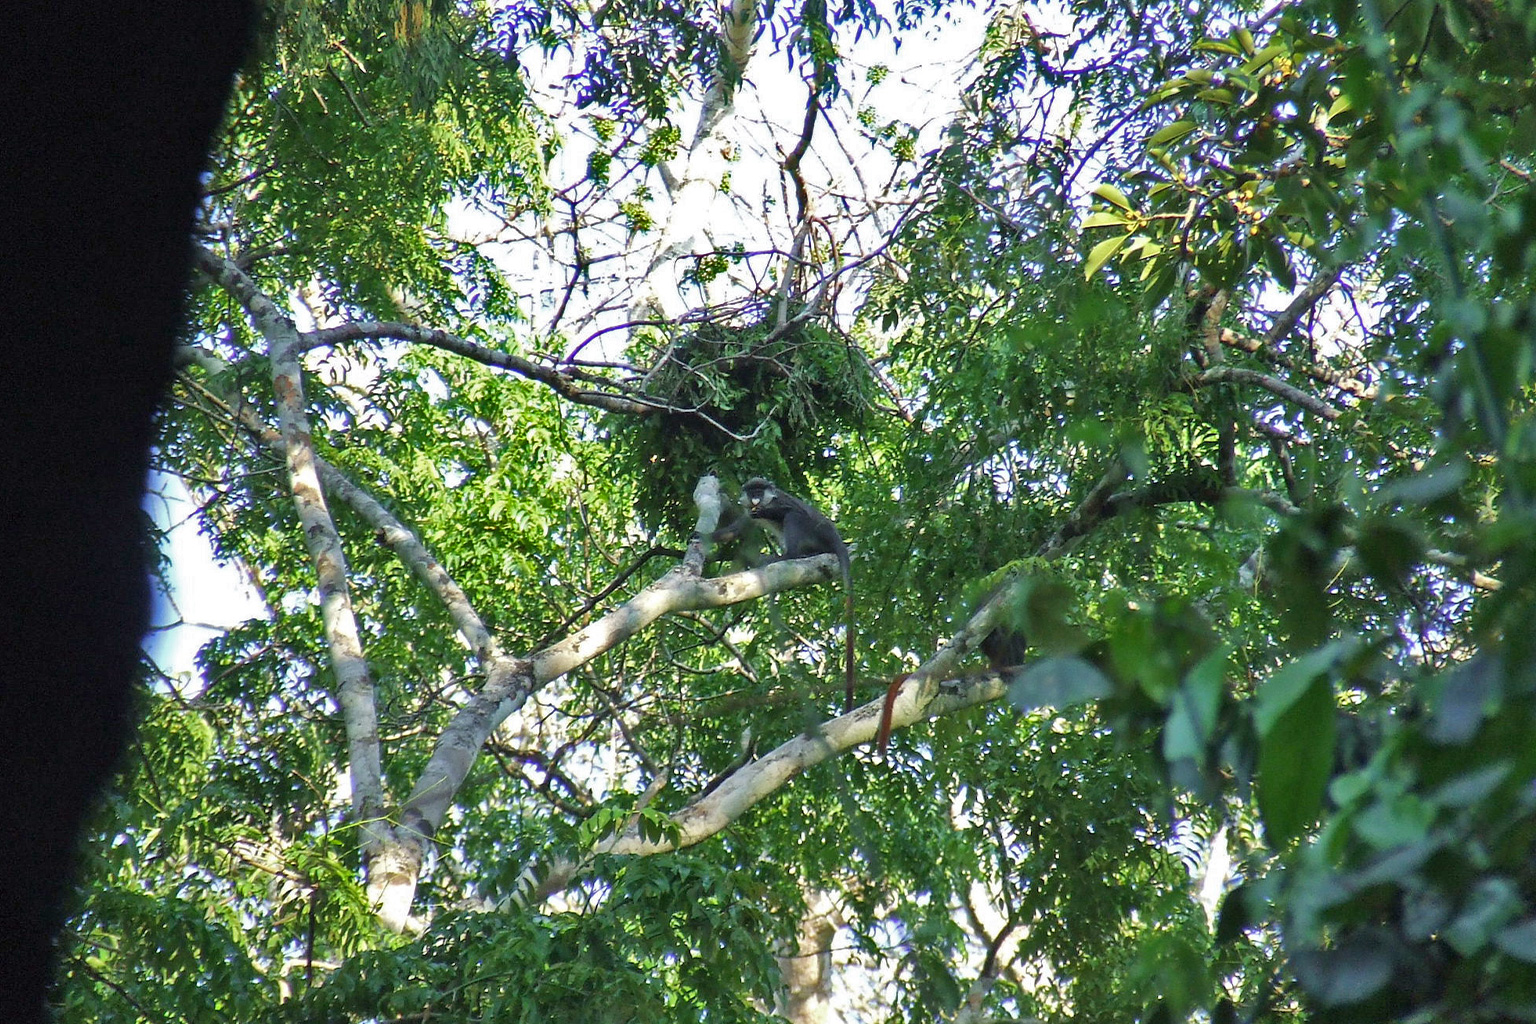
point(392, 532)
point(919, 698)
point(511, 681)
point(355, 688)
point(679, 590)
point(699, 171)
point(932, 691)
point(929, 693)
point(409, 548)
point(1087, 513)
point(728, 801)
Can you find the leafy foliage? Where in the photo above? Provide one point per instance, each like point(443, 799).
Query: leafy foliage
point(774, 398)
point(1198, 340)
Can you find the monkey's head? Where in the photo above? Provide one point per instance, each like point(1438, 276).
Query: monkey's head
point(756, 493)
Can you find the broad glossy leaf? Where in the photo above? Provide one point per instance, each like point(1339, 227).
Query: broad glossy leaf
point(1112, 195)
point(1102, 252)
point(1171, 133)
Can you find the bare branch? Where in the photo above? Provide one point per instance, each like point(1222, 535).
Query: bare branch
point(934, 691)
point(1300, 305)
point(1268, 346)
point(792, 159)
point(1463, 566)
point(1319, 372)
point(679, 590)
point(656, 551)
point(562, 383)
point(1275, 386)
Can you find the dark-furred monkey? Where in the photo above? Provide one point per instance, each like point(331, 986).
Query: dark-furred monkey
point(803, 532)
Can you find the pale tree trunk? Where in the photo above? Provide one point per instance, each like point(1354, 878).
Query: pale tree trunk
point(354, 689)
point(806, 997)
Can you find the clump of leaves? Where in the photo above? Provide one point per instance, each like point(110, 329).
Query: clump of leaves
point(741, 401)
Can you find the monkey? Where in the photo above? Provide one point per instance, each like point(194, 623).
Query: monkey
point(803, 532)
point(1004, 648)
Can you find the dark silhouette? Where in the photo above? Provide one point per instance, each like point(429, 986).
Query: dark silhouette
point(107, 114)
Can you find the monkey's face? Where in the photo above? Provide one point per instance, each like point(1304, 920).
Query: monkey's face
point(756, 494)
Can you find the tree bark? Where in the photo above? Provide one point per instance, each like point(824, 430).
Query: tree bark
point(806, 997)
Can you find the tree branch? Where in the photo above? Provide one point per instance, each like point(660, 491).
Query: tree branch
point(511, 682)
point(1275, 386)
point(1087, 513)
point(562, 383)
point(1299, 306)
point(737, 794)
point(1323, 374)
point(392, 532)
point(1268, 346)
point(355, 687)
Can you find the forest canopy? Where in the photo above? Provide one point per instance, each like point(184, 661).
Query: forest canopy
point(1167, 368)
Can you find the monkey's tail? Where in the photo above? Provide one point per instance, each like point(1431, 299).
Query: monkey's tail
point(848, 655)
point(883, 737)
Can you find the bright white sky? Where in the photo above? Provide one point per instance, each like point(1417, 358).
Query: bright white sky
point(206, 597)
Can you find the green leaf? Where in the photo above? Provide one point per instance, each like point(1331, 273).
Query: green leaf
point(1191, 722)
point(1058, 683)
point(1103, 252)
point(1468, 694)
point(1394, 821)
point(1349, 973)
point(1429, 485)
point(1491, 905)
point(1518, 940)
point(1112, 195)
point(1103, 219)
point(1171, 133)
point(1290, 682)
point(1264, 56)
point(1295, 762)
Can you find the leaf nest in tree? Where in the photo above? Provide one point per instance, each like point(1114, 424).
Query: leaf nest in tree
point(741, 401)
